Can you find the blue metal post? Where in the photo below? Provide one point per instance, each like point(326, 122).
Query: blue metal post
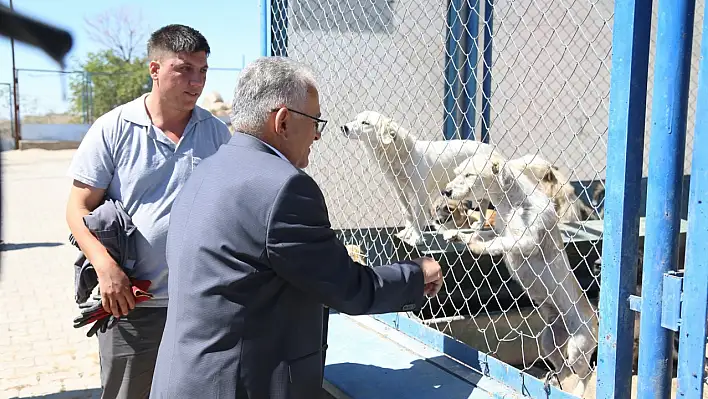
point(692, 332)
point(487, 70)
point(628, 89)
point(666, 152)
point(452, 69)
point(265, 27)
point(280, 28)
point(470, 55)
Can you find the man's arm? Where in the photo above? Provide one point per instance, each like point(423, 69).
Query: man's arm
point(83, 199)
point(92, 168)
point(116, 294)
point(303, 249)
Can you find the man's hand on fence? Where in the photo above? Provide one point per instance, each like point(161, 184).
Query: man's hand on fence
point(432, 273)
point(114, 285)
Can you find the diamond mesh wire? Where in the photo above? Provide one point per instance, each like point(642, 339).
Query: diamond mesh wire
point(7, 127)
point(549, 98)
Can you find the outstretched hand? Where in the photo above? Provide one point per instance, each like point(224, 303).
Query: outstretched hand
point(432, 275)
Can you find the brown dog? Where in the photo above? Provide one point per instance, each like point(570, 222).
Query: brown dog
point(452, 214)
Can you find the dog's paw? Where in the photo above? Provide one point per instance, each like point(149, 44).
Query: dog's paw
point(451, 235)
point(552, 380)
point(477, 225)
point(475, 246)
point(473, 241)
point(403, 234)
point(410, 236)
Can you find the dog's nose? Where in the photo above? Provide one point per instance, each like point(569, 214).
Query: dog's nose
point(345, 130)
point(446, 193)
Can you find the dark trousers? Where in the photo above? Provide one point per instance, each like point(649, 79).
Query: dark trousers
point(128, 352)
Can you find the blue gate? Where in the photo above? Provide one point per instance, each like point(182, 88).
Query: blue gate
point(674, 301)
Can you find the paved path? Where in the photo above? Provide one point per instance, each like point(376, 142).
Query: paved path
point(43, 356)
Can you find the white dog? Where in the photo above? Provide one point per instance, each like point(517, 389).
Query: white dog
point(417, 169)
point(528, 237)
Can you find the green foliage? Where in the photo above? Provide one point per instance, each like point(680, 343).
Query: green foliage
point(107, 82)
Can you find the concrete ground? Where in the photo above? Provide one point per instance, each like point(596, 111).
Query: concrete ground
point(43, 356)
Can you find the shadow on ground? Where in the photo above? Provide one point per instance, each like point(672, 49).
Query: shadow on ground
point(420, 380)
point(94, 393)
point(12, 247)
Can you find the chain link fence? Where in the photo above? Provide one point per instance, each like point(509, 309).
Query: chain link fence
point(45, 96)
point(7, 126)
point(531, 77)
point(61, 105)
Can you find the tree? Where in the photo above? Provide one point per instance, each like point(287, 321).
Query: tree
point(107, 82)
point(121, 30)
point(115, 74)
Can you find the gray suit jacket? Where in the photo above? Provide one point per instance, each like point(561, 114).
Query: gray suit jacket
point(252, 259)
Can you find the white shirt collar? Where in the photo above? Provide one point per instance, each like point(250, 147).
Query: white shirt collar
point(276, 151)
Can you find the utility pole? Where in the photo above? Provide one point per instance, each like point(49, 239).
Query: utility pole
point(14, 92)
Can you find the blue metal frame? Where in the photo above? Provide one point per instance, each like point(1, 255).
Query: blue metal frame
point(265, 28)
point(274, 28)
point(461, 64)
point(692, 333)
point(672, 70)
point(451, 97)
point(489, 366)
point(279, 18)
point(470, 55)
point(487, 70)
point(630, 60)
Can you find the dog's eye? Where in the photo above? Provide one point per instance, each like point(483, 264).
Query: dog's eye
point(468, 175)
point(365, 123)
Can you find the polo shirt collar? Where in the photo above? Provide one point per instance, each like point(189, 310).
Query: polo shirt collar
point(135, 112)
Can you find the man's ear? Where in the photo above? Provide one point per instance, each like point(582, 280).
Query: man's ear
point(281, 120)
point(153, 67)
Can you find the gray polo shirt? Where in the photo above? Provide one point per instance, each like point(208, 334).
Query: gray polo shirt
point(139, 166)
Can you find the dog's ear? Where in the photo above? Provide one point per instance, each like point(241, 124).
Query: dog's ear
point(495, 167)
point(389, 132)
point(504, 174)
point(550, 175)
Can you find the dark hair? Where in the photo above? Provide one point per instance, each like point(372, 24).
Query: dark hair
point(176, 38)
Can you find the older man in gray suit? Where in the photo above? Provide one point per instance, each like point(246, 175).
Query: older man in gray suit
point(252, 257)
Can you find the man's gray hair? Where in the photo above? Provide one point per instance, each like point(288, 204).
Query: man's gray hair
point(265, 84)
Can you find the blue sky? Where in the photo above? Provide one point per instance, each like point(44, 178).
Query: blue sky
point(232, 28)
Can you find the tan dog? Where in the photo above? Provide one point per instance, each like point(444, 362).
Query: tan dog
point(556, 185)
point(551, 181)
